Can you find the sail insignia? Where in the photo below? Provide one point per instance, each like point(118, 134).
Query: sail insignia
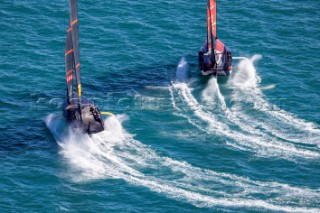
point(211, 24)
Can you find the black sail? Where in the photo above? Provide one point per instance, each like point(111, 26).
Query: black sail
point(69, 65)
point(81, 113)
point(75, 42)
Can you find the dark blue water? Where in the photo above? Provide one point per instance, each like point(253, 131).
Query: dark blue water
point(179, 142)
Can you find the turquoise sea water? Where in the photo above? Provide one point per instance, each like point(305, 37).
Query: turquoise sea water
point(179, 142)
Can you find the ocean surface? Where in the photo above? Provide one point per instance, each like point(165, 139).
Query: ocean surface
point(179, 142)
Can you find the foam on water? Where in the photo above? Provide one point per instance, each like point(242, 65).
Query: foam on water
point(268, 87)
point(129, 48)
point(182, 71)
point(245, 84)
point(195, 108)
point(264, 146)
point(185, 94)
point(210, 92)
point(250, 138)
point(156, 87)
point(114, 154)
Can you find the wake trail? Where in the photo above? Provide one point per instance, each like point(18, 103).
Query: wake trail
point(209, 111)
point(271, 119)
point(114, 154)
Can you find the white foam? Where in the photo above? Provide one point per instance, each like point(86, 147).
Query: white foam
point(245, 83)
point(210, 92)
point(195, 108)
point(115, 154)
point(182, 71)
point(156, 87)
point(268, 87)
point(201, 200)
point(173, 102)
point(263, 145)
point(213, 99)
point(250, 138)
point(245, 77)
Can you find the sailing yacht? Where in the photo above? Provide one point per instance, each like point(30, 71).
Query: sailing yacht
point(214, 57)
point(80, 113)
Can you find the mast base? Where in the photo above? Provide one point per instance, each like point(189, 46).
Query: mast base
point(217, 63)
point(84, 117)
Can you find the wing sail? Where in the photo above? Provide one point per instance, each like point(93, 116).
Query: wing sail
point(74, 26)
point(69, 65)
point(211, 24)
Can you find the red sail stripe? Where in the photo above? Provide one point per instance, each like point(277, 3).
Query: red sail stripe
point(78, 65)
point(73, 22)
point(68, 52)
point(70, 71)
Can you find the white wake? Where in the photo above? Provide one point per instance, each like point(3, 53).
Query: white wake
point(114, 154)
point(219, 119)
point(271, 119)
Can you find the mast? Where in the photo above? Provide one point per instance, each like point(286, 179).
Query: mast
point(211, 25)
point(74, 28)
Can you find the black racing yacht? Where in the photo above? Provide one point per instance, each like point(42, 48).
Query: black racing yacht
point(80, 113)
point(214, 57)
